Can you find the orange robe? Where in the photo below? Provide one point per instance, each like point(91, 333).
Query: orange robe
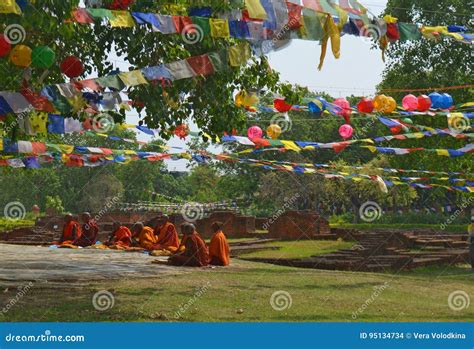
point(195, 255)
point(71, 233)
point(122, 237)
point(89, 234)
point(147, 238)
point(168, 238)
point(219, 250)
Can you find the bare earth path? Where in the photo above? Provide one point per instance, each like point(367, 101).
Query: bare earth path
point(20, 264)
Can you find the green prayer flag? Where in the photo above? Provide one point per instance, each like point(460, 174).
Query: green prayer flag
point(219, 60)
point(312, 25)
point(275, 143)
point(409, 31)
point(203, 26)
point(111, 81)
point(99, 13)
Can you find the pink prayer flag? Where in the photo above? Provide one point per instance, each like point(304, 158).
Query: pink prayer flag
point(313, 4)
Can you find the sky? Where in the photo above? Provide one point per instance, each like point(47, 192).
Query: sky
point(357, 71)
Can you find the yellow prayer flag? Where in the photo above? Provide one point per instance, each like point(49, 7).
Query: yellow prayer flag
point(372, 149)
point(290, 145)
point(239, 54)
point(10, 6)
point(442, 152)
point(1, 144)
point(130, 152)
point(256, 10)
point(122, 19)
point(38, 122)
point(133, 78)
point(390, 20)
point(66, 148)
point(219, 28)
point(125, 126)
point(331, 31)
point(343, 16)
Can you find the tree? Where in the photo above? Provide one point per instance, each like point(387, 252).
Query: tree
point(208, 100)
point(424, 63)
point(427, 64)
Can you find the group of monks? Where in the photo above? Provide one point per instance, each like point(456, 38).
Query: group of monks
point(157, 234)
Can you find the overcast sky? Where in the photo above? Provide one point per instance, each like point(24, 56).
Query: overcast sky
point(357, 72)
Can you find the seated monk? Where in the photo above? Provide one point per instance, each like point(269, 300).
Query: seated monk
point(71, 231)
point(218, 248)
point(121, 236)
point(167, 236)
point(90, 231)
point(144, 236)
point(195, 254)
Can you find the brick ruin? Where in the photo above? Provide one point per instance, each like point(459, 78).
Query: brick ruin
point(294, 225)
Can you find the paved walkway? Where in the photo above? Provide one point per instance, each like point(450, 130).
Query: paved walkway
point(42, 264)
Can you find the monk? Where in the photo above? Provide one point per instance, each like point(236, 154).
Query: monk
point(121, 236)
point(195, 254)
point(90, 231)
point(71, 231)
point(144, 236)
point(167, 235)
point(218, 248)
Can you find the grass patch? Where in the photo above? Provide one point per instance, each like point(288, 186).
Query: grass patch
point(460, 228)
point(8, 224)
point(300, 249)
point(242, 292)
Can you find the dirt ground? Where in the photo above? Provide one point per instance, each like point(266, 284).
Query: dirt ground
point(47, 265)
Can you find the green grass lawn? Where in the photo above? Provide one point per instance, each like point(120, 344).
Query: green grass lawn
point(242, 292)
point(300, 249)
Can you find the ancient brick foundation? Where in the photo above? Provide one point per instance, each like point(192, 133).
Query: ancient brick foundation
point(293, 225)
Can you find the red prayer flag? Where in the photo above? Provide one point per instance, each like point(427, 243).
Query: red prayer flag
point(201, 65)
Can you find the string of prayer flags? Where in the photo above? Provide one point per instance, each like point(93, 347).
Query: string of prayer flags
point(67, 97)
point(264, 20)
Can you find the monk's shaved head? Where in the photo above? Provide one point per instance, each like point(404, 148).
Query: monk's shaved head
point(68, 217)
point(86, 216)
point(138, 226)
point(188, 228)
point(116, 225)
point(216, 226)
